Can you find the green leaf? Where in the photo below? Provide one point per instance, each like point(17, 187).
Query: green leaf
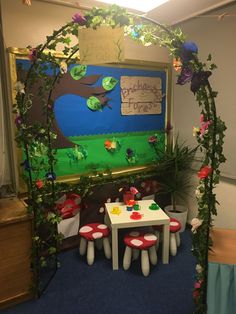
point(78, 71)
point(209, 57)
point(94, 104)
point(109, 82)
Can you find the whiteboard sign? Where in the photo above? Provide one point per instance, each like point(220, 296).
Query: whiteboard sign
point(140, 95)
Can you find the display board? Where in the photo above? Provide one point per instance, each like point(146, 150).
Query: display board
point(106, 117)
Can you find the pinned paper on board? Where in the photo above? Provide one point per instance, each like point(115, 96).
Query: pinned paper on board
point(140, 95)
point(102, 45)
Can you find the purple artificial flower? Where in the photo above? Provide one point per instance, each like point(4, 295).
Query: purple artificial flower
point(18, 121)
point(79, 19)
point(199, 79)
point(185, 75)
point(188, 50)
point(129, 152)
point(51, 176)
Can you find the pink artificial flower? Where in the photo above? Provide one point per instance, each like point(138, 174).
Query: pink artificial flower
point(33, 54)
point(133, 190)
point(204, 126)
point(204, 172)
point(201, 118)
point(196, 294)
point(152, 139)
point(79, 19)
point(198, 284)
point(168, 128)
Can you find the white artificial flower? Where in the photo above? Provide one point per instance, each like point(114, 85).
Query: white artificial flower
point(63, 67)
point(195, 223)
point(20, 87)
point(198, 193)
point(198, 268)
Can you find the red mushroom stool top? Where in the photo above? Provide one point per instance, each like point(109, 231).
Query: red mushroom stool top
point(175, 225)
point(94, 231)
point(140, 240)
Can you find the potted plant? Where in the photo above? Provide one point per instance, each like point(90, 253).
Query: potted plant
point(174, 173)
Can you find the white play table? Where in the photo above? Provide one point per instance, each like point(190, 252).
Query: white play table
point(123, 220)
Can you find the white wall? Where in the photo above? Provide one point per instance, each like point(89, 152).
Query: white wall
point(218, 38)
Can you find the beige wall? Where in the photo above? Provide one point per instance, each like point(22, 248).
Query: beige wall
point(218, 38)
point(23, 26)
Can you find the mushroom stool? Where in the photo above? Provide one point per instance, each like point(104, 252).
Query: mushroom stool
point(140, 241)
point(89, 234)
point(175, 226)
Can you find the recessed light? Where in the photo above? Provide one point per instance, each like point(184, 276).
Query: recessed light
point(143, 6)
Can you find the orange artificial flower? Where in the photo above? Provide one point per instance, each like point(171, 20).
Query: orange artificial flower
point(108, 144)
point(177, 64)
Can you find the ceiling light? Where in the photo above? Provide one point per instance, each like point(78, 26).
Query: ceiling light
point(143, 6)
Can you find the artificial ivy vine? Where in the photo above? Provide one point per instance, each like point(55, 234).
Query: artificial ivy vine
point(37, 139)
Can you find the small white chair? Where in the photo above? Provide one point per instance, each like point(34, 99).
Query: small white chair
point(94, 232)
point(140, 241)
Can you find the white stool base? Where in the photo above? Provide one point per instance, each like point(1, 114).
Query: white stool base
point(89, 245)
point(145, 255)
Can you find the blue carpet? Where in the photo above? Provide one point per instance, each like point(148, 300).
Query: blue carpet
point(81, 289)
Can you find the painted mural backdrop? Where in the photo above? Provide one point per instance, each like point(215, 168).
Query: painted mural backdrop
point(106, 117)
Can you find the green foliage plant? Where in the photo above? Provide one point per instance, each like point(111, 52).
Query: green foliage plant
point(174, 171)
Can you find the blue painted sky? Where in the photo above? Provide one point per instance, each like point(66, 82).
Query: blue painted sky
point(75, 119)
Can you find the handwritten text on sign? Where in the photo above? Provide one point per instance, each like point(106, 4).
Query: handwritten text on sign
point(140, 95)
point(102, 45)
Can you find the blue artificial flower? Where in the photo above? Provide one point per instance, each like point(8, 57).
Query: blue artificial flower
point(188, 50)
point(51, 176)
point(135, 31)
point(26, 165)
